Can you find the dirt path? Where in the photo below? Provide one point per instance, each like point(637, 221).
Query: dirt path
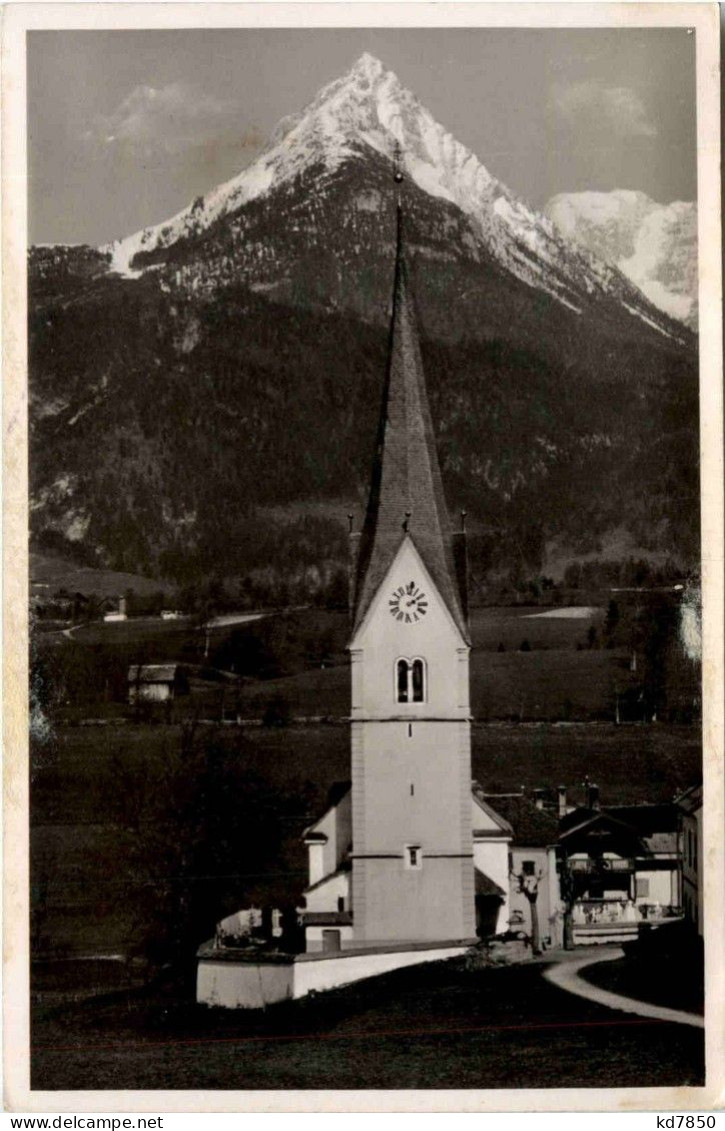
point(565, 975)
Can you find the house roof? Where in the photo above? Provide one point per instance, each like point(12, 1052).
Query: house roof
point(609, 832)
point(486, 886)
point(406, 492)
point(691, 800)
point(152, 673)
point(662, 842)
point(532, 827)
point(502, 825)
point(647, 819)
point(337, 791)
point(343, 869)
point(644, 819)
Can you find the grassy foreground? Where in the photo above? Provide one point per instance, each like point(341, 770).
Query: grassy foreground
point(446, 1025)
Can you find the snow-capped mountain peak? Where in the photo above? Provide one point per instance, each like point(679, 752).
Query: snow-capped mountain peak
point(367, 111)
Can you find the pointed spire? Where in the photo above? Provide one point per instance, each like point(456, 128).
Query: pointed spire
point(406, 493)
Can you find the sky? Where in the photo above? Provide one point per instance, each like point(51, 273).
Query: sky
point(125, 128)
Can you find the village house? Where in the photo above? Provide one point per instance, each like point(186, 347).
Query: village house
point(624, 866)
point(532, 866)
point(111, 613)
point(689, 807)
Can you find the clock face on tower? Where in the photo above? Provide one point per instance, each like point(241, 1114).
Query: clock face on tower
point(408, 603)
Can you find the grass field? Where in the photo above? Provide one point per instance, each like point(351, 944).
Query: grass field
point(445, 1025)
point(554, 677)
point(49, 573)
point(651, 981)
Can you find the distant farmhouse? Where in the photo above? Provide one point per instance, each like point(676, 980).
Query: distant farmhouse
point(115, 614)
point(156, 683)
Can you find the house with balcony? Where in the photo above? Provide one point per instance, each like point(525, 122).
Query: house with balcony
point(623, 864)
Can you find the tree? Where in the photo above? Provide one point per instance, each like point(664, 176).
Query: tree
point(529, 887)
point(200, 835)
point(611, 620)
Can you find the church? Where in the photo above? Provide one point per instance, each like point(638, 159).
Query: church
point(392, 860)
point(409, 863)
point(411, 852)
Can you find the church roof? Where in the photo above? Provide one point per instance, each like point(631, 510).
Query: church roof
point(406, 492)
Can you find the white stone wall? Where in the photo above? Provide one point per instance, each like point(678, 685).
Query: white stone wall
point(247, 985)
point(243, 985)
point(313, 937)
point(325, 974)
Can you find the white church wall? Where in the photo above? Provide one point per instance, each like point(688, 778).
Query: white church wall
point(416, 778)
point(336, 825)
point(491, 856)
point(325, 897)
point(315, 862)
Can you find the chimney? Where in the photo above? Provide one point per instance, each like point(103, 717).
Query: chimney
point(593, 796)
point(561, 801)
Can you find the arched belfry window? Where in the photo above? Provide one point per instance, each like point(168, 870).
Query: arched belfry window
point(410, 681)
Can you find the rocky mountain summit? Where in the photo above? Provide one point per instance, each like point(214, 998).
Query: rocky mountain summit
point(654, 245)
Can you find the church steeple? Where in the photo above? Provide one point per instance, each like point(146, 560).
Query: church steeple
point(406, 494)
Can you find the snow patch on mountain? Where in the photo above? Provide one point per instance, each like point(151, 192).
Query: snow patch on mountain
point(654, 245)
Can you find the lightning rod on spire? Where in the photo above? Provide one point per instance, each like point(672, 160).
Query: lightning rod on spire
point(397, 162)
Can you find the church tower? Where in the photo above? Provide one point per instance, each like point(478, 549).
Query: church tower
point(412, 853)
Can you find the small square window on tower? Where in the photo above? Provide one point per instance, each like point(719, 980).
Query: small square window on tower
point(413, 856)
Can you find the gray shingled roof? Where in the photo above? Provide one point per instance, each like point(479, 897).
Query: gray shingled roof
point(532, 827)
point(406, 473)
